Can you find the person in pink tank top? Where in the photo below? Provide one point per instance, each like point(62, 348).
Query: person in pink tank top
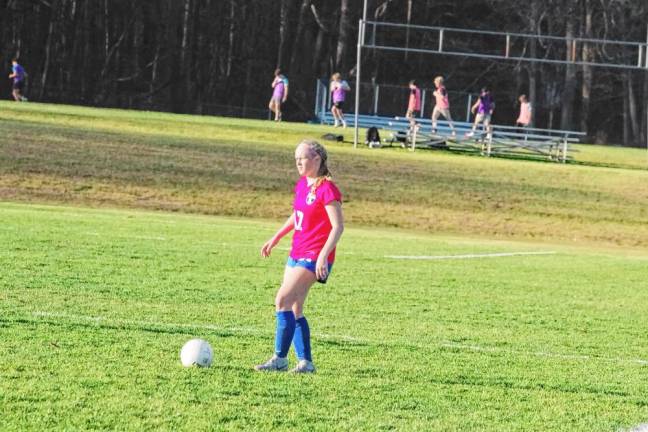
point(317, 223)
point(524, 119)
point(442, 105)
point(279, 94)
point(413, 104)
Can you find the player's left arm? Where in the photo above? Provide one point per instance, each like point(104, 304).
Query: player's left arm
point(334, 212)
point(285, 92)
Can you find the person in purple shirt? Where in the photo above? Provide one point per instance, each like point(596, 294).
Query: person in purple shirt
point(483, 111)
point(279, 93)
point(338, 88)
point(18, 76)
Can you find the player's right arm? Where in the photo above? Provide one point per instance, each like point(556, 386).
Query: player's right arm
point(285, 97)
point(288, 226)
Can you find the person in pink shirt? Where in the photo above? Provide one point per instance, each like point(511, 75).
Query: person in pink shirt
point(413, 104)
point(524, 119)
point(317, 223)
point(279, 94)
point(442, 105)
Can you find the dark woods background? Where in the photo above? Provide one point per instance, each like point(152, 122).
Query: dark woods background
point(217, 56)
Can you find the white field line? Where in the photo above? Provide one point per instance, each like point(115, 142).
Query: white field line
point(639, 428)
point(137, 237)
point(543, 354)
point(252, 331)
point(285, 248)
point(468, 256)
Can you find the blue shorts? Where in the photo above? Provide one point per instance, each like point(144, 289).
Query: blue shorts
point(308, 264)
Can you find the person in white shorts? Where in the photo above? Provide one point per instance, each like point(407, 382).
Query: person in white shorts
point(442, 105)
point(483, 110)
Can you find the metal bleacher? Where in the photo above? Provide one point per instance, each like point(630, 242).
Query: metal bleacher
point(548, 144)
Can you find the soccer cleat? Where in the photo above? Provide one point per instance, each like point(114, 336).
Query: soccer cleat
point(275, 363)
point(304, 366)
point(344, 125)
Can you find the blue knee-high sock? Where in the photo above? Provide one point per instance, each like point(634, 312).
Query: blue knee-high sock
point(301, 340)
point(285, 332)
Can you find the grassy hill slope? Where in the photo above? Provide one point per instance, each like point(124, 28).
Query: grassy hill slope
point(116, 158)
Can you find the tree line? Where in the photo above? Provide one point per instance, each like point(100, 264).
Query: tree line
point(218, 56)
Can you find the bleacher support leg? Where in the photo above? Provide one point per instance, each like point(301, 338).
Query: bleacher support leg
point(489, 141)
point(413, 138)
point(564, 153)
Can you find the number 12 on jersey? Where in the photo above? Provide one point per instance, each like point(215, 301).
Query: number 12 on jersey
point(299, 218)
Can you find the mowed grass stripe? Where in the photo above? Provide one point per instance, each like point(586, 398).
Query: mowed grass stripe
point(58, 318)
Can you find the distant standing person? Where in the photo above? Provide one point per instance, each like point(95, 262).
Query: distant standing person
point(18, 75)
point(483, 111)
point(279, 94)
point(524, 119)
point(338, 88)
point(442, 105)
point(413, 104)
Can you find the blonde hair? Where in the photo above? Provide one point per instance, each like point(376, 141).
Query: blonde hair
point(438, 80)
point(336, 76)
point(323, 173)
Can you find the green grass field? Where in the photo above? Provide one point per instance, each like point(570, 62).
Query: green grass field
point(96, 305)
point(125, 234)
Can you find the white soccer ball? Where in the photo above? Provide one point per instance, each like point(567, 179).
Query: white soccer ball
point(196, 352)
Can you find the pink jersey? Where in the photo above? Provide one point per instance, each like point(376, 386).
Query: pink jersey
point(338, 90)
point(441, 95)
point(525, 113)
point(279, 85)
point(312, 224)
point(414, 103)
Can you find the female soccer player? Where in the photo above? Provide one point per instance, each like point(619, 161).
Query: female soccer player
point(483, 110)
point(18, 75)
point(317, 224)
point(279, 94)
point(442, 105)
point(524, 119)
point(338, 89)
point(413, 104)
